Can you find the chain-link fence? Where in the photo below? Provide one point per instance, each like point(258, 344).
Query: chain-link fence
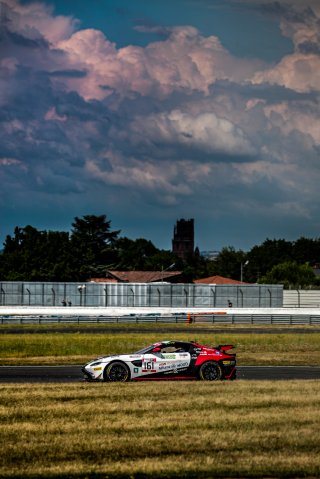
point(140, 295)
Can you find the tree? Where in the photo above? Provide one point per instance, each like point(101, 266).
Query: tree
point(57, 262)
point(93, 231)
point(93, 244)
point(227, 263)
point(306, 250)
point(290, 274)
point(262, 258)
point(134, 255)
point(33, 255)
point(92, 248)
point(142, 255)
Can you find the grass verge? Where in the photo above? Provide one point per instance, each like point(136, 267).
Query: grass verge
point(76, 348)
point(138, 325)
point(180, 430)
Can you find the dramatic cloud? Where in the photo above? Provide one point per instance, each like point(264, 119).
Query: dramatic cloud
point(35, 21)
point(185, 60)
point(181, 121)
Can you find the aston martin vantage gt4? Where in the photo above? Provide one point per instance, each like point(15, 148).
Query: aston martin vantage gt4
point(165, 360)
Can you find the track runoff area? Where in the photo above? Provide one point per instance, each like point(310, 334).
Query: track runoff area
point(284, 316)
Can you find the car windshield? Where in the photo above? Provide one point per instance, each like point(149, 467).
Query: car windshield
point(145, 350)
point(166, 347)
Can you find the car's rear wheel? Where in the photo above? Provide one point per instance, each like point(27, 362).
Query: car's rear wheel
point(117, 372)
point(210, 371)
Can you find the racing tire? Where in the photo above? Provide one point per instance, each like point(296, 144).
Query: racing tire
point(116, 372)
point(210, 371)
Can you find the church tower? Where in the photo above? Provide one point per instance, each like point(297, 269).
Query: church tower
point(183, 238)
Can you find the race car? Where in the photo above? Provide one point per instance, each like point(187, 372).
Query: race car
point(165, 360)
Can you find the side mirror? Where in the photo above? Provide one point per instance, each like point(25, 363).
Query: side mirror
point(156, 350)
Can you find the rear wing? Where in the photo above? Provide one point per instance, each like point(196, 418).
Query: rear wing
point(225, 347)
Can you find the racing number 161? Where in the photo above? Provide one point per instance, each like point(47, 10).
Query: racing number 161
point(148, 365)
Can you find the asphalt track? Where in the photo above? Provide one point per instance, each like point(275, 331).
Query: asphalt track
point(71, 374)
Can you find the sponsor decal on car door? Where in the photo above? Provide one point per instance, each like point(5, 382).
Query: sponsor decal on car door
point(174, 362)
point(166, 363)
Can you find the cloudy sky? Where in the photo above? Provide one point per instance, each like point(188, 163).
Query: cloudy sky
point(153, 110)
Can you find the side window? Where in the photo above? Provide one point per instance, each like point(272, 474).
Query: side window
point(182, 347)
point(175, 348)
point(169, 349)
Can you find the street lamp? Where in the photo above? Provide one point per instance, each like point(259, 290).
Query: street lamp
point(241, 272)
point(82, 289)
point(167, 269)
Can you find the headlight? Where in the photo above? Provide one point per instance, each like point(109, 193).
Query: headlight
point(96, 363)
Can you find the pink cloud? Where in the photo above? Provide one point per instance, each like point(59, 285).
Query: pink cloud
point(186, 60)
point(37, 18)
point(298, 71)
point(53, 115)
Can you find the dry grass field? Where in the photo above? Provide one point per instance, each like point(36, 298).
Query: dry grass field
point(161, 430)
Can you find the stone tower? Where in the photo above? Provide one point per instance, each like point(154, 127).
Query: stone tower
point(183, 238)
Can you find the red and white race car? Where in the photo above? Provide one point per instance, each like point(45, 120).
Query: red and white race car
point(165, 360)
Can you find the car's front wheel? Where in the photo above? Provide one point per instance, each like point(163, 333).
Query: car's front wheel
point(117, 372)
point(210, 371)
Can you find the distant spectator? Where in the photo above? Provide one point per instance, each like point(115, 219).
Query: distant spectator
point(69, 303)
point(229, 304)
point(64, 302)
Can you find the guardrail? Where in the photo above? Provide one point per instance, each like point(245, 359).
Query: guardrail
point(282, 319)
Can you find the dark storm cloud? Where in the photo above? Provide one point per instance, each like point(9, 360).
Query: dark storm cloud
point(68, 73)
point(264, 91)
point(288, 11)
point(146, 26)
point(309, 48)
point(42, 133)
point(297, 17)
point(7, 37)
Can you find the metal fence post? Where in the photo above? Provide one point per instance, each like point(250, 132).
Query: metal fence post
point(22, 294)
point(241, 292)
point(29, 294)
point(3, 296)
point(105, 296)
point(186, 294)
point(42, 294)
point(213, 291)
point(53, 297)
point(270, 294)
point(259, 296)
point(132, 296)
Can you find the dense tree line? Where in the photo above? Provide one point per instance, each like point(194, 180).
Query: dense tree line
point(92, 247)
point(87, 251)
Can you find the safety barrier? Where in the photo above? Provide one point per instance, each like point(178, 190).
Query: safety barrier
point(136, 295)
point(187, 318)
